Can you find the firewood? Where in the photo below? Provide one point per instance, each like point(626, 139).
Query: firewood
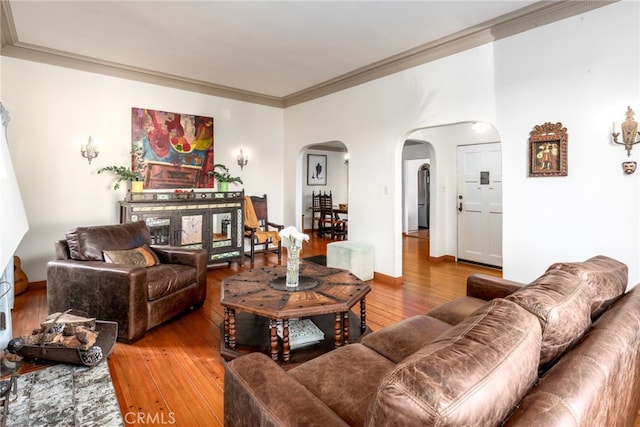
point(69, 322)
point(86, 337)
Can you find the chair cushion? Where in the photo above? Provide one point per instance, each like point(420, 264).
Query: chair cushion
point(473, 374)
point(606, 277)
point(87, 243)
point(400, 340)
point(165, 279)
point(345, 379)
point(562, 303)
point(143, 256)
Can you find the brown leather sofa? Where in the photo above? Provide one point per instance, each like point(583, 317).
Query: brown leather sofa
point(165, 282)
point(561, 351)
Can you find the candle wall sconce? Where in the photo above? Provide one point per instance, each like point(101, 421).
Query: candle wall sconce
point(89, 150)
point(629, 130)
point(243, 159)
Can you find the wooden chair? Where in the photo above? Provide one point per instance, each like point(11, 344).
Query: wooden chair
point(263, 235)
point(330, 223)
point(315, 209)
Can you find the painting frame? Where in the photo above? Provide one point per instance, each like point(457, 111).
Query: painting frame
point(548, 150)
point(316, 169)
point(172, 150)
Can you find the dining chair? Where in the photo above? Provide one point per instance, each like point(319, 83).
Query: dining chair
point(329, 223)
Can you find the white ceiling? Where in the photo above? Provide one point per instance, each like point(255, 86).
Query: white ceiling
point(270, 49)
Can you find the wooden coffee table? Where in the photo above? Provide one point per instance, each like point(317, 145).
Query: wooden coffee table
point(255, 301)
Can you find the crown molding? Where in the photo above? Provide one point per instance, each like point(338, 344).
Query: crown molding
point(92, 65)
point(521, 20)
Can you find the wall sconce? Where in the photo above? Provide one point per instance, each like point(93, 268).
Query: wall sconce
point(89, 151)
point(629, 132)
point(346, 158)
point(243, 159)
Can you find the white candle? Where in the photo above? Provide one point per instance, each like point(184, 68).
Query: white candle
point(615, 127)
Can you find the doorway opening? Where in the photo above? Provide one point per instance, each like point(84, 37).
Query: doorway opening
point(424, 198)
point(333, 157)
point(437, 147)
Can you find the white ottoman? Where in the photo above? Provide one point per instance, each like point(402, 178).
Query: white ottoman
point(352, 256)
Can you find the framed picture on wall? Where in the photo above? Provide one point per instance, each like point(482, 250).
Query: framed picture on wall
point(548, 150)
point(316, 169)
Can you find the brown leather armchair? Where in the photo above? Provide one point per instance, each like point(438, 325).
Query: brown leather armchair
point(137, 297)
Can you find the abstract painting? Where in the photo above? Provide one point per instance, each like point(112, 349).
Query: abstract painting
point(172, 150)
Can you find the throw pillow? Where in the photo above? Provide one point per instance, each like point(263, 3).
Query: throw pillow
point(142, 256)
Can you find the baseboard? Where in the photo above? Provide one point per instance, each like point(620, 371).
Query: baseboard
point(387, 279)
point(443, 258)
point(42, 284)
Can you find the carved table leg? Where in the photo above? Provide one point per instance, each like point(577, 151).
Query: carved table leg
point(232, 329)
point(345, 328)
point(226, 326)
point(274, 339)
point(286, 352)
point(338, 330)
point(363, 315)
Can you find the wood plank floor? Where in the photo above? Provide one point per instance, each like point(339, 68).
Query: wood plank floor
point(175, 375)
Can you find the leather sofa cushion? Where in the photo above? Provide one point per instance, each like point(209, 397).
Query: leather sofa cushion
point(473, 374)
point(142, 256)
point(453, 312)
point(562, 303)
point(87, 243)
point(399, 340)
point(166, 279)
point(345, 379)
point(607, 279)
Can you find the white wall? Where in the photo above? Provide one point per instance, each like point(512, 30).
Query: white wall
point(373, 120)
point(54, 110)
point(583, 72)
point(570, 71)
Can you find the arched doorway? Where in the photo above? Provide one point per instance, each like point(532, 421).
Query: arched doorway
point(333, 157)
point(438, 146)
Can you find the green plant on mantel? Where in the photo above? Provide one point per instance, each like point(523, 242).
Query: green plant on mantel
point(224, 176)
point(123, 173)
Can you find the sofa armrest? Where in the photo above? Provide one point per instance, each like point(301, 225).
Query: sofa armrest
point(487, 287)
point(105, 291)
point(197, 258)
point(258, 392)
point(174, 255)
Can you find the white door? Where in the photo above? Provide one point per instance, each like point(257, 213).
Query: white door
point(480, 203)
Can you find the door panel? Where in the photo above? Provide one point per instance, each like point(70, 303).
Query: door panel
point(480, 203)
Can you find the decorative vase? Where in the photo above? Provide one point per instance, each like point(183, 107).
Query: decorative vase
point(137, 186)
point(223, 186)
point(293, 266)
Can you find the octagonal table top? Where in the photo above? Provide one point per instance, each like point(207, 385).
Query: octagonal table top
point(257, 291)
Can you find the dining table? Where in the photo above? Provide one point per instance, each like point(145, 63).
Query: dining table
point(337, 211)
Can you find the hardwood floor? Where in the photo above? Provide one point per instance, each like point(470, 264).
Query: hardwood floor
point(175, 375)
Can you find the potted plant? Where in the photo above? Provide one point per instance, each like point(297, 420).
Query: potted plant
point(223, 178)
point(125, 174)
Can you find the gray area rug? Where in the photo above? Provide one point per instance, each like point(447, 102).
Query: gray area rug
point(65, 395)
